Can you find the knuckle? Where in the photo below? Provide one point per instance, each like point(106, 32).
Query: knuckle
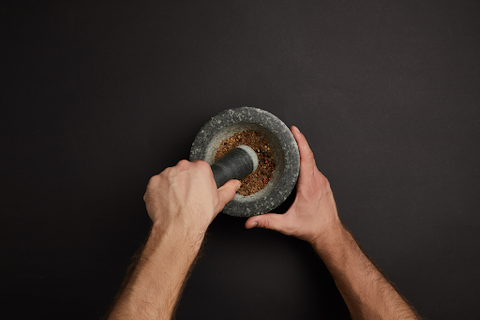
point(202, 164)
point(146, 197)
point(183, 164)
point(323, 181)
point(309, 155)
point(154, 181)
point(203, 167)
point(266, 224)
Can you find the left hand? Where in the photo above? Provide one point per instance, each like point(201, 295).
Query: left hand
point(313, 215)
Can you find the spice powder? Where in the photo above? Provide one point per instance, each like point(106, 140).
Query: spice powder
point(260, 178)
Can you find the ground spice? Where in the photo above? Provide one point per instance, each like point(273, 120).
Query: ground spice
point(260, 178)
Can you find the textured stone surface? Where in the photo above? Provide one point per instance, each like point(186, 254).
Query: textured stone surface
point(285, 152)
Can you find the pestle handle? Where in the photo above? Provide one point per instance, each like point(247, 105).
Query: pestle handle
point(236, 164)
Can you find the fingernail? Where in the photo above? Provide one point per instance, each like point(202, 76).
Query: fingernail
point(254, 224)
point(239, 184)
point(296, 129)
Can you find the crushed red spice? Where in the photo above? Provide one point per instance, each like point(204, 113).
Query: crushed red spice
point(260, 178)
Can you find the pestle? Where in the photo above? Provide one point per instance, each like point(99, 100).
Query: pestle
point(236, 164)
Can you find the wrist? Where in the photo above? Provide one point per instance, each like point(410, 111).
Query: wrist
point(331, 241)
point(177, 235)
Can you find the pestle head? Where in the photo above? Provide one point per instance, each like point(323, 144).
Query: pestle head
point(252, 154)
point(236, 164)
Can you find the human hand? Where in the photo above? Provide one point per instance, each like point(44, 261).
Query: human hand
point(313, 215)
point(185, 199)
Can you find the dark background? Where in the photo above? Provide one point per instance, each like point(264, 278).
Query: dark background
point(96, 97)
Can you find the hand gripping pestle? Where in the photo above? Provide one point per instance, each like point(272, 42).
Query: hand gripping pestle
point(236, 164)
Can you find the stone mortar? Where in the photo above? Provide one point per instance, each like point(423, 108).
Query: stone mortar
point(281, 140)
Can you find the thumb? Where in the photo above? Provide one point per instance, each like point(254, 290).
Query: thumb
point(226, 193)
point(270, 221)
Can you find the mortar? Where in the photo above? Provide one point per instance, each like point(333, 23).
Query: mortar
point(284, 150)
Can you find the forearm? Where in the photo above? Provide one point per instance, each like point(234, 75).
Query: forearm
point(367, 293)
point(156, 283)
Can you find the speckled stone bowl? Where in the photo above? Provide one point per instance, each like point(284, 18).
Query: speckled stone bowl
point(281, 140)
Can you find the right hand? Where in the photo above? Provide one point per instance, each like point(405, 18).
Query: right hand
point(313, 215)
point(185, 197)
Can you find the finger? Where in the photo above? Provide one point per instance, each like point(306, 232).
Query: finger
point(270, 221)
point(307, 161)
point(226, 193)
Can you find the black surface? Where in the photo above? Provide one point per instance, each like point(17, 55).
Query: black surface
point(97, 97)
